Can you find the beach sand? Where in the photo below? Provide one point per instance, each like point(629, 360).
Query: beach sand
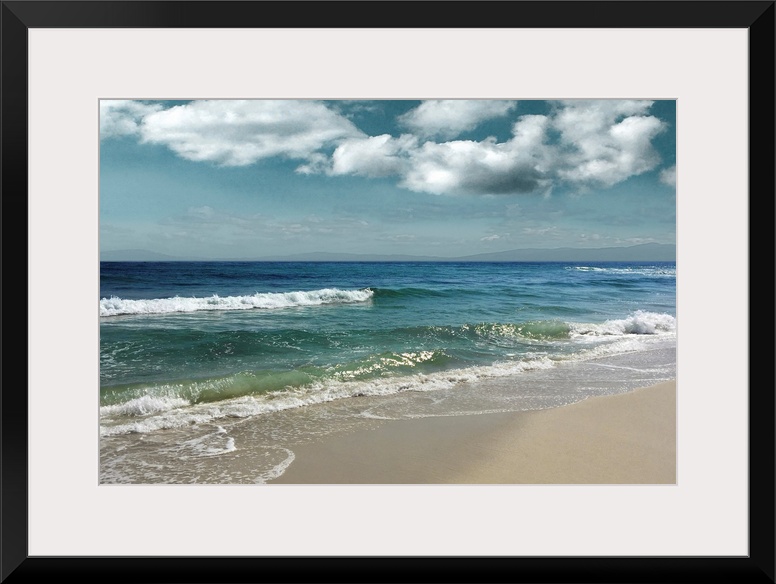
point(620, 439)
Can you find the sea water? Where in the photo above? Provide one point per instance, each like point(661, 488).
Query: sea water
point(212, 372)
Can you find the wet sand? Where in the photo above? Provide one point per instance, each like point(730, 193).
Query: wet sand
point(621, 439)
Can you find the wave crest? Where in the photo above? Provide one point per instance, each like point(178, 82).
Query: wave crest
point(639, 323)
point(115, 306)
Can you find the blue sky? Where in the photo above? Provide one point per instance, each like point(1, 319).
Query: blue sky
point(245, 179)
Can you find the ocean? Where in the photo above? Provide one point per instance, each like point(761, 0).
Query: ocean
point(213, 372)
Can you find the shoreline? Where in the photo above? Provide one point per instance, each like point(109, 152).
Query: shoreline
point(628, 438)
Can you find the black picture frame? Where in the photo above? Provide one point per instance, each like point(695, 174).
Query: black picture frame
point(755, 16)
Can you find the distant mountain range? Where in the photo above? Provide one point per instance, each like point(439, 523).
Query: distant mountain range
point(647, 252)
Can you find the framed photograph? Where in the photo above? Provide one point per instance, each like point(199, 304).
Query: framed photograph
point(345, 303)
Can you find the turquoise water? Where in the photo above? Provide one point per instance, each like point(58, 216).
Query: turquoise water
point(189, 346)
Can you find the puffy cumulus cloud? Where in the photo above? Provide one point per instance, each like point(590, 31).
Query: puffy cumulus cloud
point(447, 118)
point(668, 176)
point(581, 119)
point(375, 156)
point(522, 164)
point(239, 133)
point(455, 167)
point(580, 143)
point(122, 117)
point(604, 142)
point(466, 167)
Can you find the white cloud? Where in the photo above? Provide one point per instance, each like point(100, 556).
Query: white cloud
point(447, 118)
point(241, 132)
point(455, 167)
point(466, 167)
point(605, 142)
point(373, 156)
point(122, 117)
point(493, 237)
point(581, 143)
point(668, 176)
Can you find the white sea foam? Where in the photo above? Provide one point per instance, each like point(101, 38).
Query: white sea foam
point(640, 270)
point(278, 469)
point(115, 306)
point(626, 344)
point(638, 323)
point(213, 444)
point(141, 406)
point(315, 393)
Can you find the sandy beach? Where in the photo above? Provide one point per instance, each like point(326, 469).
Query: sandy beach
point(621, 439)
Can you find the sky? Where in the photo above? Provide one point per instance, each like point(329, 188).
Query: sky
point(245, 179)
